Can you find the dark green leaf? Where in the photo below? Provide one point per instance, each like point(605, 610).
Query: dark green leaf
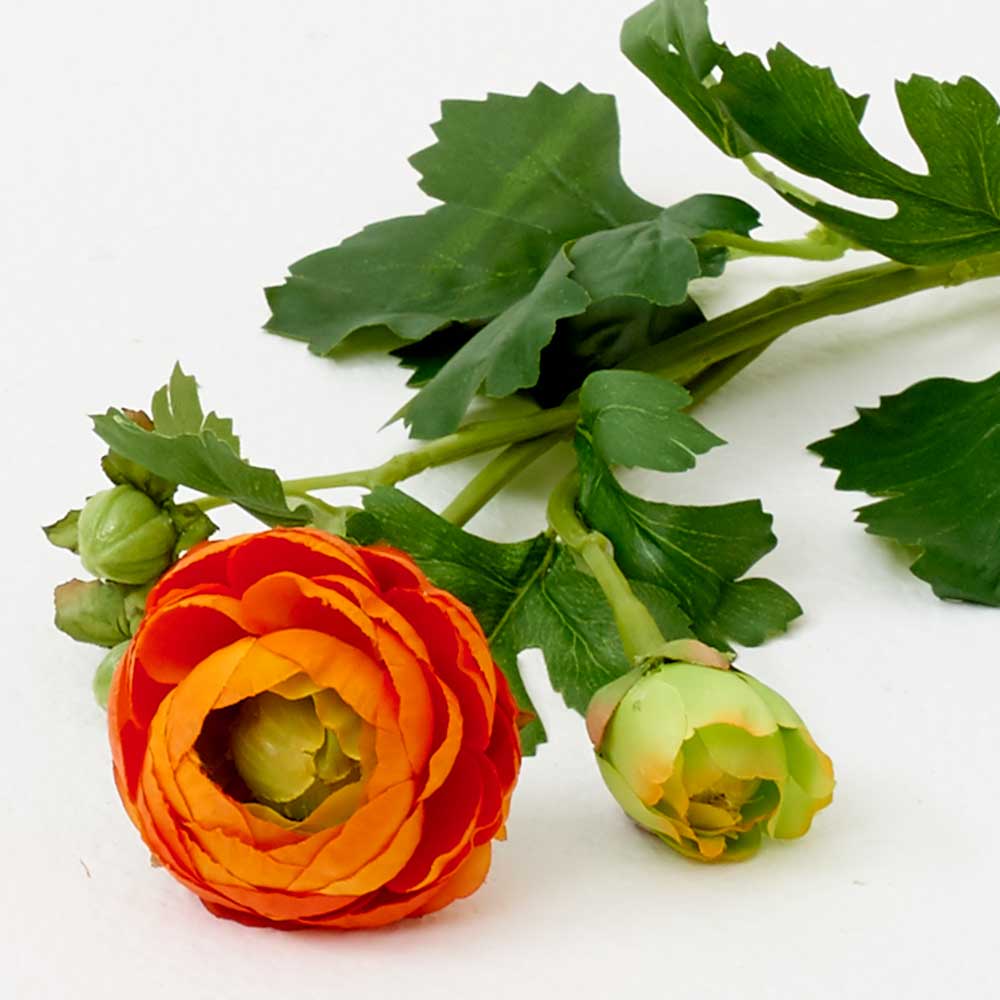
point(412, 275)
point(525, 595)
point(503, 356)
point(634, 418)
point(603, 337)
point(797, 113)
point(697, 554)
point(523, 178)
point(198, 458)
point(548, 160)
point(63, 533)
point(671, 43)
point(933, 453)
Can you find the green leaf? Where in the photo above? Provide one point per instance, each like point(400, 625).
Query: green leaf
point(933, 453)
point(548, 160)
point(412, 275)
point(177, 410)
point(63, 534)
point(634, 418)
point(797, 113)
point(671, 43)
point(697, 554)
point(195, 454)
point(503, 356)
point(538, 223)
point(525, 595)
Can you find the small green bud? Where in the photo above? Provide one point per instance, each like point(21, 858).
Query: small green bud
point(124, 536)
point(105, 673)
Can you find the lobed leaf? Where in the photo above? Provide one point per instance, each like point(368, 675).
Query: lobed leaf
point(697, 554)
point(797, 113)
point(932, 453)
point(525, 595)
point(190, 449)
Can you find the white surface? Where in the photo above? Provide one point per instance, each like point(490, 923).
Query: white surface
point(162, 162)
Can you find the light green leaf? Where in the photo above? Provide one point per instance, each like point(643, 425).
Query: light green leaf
point(198, 458)
point(634, 418)
point(933, 453)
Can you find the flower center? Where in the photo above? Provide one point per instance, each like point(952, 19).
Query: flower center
point(290, 758)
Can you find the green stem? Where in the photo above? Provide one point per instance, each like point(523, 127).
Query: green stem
point(492, 478)
point(640, 634)
point(473, 439)
point(807, 248)
point(776, 182)
point(712, 379)
point(685, 356)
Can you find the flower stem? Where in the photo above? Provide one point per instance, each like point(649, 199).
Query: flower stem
point(496, 474)
point(640, 635)
point(807, 248)
point(685, 356)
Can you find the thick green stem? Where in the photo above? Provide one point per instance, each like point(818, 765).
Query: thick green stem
point(496, 474)
point(683, 357)
point(742, 333)
point(641, 636)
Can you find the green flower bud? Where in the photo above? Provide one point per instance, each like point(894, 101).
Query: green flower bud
point(124, 536)
point(708, 759)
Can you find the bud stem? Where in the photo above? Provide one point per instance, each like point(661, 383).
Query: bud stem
point(641, 636)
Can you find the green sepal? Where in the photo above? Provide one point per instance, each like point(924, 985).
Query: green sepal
point(93, 611)
point(64, 534)
point(193, 526)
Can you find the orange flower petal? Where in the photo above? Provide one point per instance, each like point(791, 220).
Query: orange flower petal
point(449, 825)
point(295, 550)
point(177, 637)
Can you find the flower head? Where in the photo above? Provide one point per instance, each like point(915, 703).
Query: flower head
point(307, 733)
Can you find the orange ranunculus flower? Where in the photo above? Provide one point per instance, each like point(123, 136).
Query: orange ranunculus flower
point(310, 734)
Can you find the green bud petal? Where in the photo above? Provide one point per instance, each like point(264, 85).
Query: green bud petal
point(713, 696)
point(645, 734)
point(783, 713)
point(105, 673)
point(738, 753)
point(124, 536)
point(273, 743)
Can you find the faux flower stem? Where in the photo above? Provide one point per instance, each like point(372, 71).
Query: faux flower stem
point(776, 182)
point(495, 475)
point(683, 357)
point(640, 635)
point(743, 332)
point(807, 248)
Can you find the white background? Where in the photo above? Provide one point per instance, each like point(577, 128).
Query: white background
point(161, 164)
